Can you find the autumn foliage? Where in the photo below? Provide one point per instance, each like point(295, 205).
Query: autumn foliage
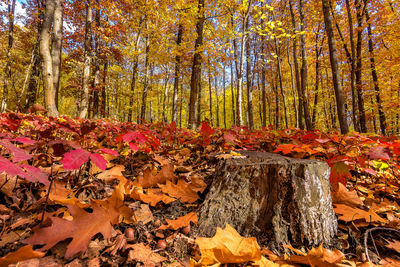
point(79, 185)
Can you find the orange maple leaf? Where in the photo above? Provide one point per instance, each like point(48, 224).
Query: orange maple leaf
point(180, 222)
point(24, 253)
point(81, 229)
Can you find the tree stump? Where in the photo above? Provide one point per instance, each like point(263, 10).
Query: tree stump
point(283, 200)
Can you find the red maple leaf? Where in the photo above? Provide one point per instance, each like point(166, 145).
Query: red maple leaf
point(18, 154)
point(99, 160)
point(74, 159)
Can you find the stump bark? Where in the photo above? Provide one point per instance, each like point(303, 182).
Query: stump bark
point(282, 200)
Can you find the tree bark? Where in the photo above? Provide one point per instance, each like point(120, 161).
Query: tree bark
point(134, 73)
point(382, 117)
point(224, 92)
point(278, 66)
point(56, 46)
point(196, 67)
point(216, 101)
point(284, 200)
point(335, 71)
point(45, 53)
point(360, 97)
point(145, 82)
point(249, 86)
point(296, 68)
point(87, 60)
point(303, 69)
point(210, 93)
point(7, 70)
point(177, 73)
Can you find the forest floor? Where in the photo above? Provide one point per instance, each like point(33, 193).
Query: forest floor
point(98, 193)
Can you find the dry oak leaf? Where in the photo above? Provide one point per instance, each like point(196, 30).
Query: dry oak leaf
point(349, 214)
point(182, 190)
point(145, 255)
point(24, 253)
point(318, 257)
point(228, 246)
point(81, 229)
point(149, 180)
point(60, 194)
point(341, 195)
point(180, 222)
point(111, 174)
point(151, 197)
point(394, 245)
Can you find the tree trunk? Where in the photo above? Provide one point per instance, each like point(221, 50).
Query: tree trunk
point(249, 87)
point(165, 96)
point(56, 46)
point(216, 101)
point(382, 117)
point(7, 71)
point(303, 70)
point(210, 93)
point(224, 92)
point(96, 63)
point(360, 97)
point(282, 200)
point(353, 64)
point(45, 53)
point(87, 60)
point(145, 82)
point(103, 91)
point(318, 51)
point(233, 97)
point(278, 65)
point(196, 67)
point(335, 70)
point(296, 69)
point(177, 73)
point(292, 86)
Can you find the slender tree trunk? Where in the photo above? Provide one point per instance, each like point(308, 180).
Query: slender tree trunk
point(199, 102)
point(56, 46)
point(216, 100)
point(45, 52)
point(164, 112)
point(263, 87)
point(224, 92)
point(177, 73)
point(352, 58)
point(360, 97)
point(316, 88)
point(103, 91)
point(233, 97)
point(249, 86)
point(133, 78)
point(304, 68)
point(210, 93)
point(335, 70)
point(180, 106)
point(296, 69)
point(382, 117)
point(7, 71)
point(87, 60)
point(292, 86)
point(196, 67)
point(145, 81)
point(96, 63)
point(278, 66)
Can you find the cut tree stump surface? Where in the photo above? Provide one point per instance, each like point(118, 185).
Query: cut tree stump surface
point(283, 200)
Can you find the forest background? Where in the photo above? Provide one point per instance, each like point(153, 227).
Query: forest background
point(254, 63)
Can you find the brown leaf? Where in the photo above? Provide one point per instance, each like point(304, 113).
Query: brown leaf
point(197, 184)
point(227, 246)
point(112, 174)
point(394, 245)
point(24, 253)
point(317, 257)
point(81, 229)
point(180, 222)
point(143, 214)
point(145, 255)
point(59, 193)
point(341, 195)
point(181, 190)
point(152, 196)
point(349, 214)
point(150, 180)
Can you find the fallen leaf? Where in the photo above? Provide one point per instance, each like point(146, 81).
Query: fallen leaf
point(74, 159)
point(99, 160)
point(182, 191)
point(111, 174)
point(145, 255)
point(24, 253)
point(180, 222)
point(151, 197)
point(18, 154)
point(319, 256)
point(143, 214)
point(81, 229)
point(395, 245)
point(227, 246)
point(340, 195)
point(349, 214)
point(149, 180)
